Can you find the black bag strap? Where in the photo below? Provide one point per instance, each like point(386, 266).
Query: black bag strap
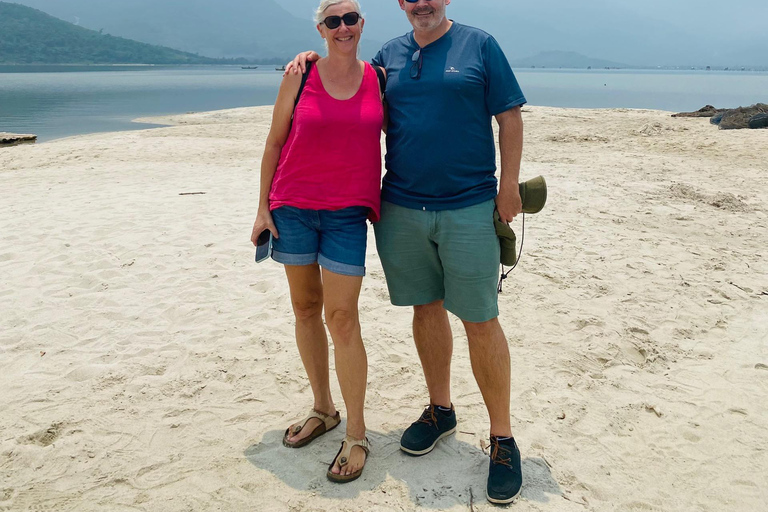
point(382, 79)
point(303, 83)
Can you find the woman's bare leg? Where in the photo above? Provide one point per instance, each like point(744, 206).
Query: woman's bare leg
point(307, 299)
point(340, 295)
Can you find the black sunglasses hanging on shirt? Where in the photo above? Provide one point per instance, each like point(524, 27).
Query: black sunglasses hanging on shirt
point(418, 60)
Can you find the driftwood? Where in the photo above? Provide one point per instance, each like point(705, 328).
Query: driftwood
point(706, 111)
point(754, 116)
point(10, 139)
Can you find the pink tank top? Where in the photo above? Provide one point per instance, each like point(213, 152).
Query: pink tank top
point(332, 158)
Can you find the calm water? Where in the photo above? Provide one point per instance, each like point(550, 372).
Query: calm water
point(71, 101)
point(55, 102)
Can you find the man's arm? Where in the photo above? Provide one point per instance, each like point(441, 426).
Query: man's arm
point(508, 200)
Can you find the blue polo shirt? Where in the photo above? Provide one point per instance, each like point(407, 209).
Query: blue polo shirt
point(440, 148)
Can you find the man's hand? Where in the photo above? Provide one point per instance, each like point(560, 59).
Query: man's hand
point(299, 63)
point(508, 202)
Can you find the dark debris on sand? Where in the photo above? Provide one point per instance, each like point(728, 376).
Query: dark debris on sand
point(754, 116)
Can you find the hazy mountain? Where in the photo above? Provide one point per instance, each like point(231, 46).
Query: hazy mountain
point(29, 36)
point(227, 28)
point(651, 33)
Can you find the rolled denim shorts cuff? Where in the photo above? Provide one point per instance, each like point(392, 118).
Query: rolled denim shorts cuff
point(294, 259)
point(341, 268)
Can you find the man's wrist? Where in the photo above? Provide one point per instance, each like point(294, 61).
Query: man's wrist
point(508, 182)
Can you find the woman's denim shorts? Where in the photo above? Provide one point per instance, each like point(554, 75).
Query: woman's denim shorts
point(334, 239)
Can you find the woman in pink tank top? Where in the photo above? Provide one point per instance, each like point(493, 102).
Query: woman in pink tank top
point(320, 181)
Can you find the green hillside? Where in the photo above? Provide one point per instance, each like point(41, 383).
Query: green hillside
point(29, 36)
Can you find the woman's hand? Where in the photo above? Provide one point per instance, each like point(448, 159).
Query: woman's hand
point(299, 63)
point(263, 221)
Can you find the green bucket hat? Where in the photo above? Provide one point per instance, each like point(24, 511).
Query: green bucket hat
point(507, 240)
point(533, 194)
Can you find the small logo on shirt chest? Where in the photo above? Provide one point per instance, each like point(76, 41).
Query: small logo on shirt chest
point(452, 70)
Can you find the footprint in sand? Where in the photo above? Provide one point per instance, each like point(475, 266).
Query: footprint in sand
point(44, 437)
point(6, 494)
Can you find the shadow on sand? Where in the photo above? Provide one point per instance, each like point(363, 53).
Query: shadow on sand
point(439, 480)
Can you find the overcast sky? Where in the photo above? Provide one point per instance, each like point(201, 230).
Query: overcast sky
point(664, 32)
point(648, 33)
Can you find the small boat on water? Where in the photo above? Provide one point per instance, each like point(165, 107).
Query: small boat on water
point(249, 67)
point(281, 68)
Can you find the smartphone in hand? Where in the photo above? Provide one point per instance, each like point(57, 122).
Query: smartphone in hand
point(263, 246)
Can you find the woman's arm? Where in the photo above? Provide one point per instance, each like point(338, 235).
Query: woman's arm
point(278, 133)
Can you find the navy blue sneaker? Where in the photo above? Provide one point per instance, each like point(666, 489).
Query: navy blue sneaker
point(422, 436)
point(505, 476)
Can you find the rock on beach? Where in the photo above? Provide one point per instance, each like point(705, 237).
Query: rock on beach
point(741, 117)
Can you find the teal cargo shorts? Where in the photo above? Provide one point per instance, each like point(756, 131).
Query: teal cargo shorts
point(449, 255)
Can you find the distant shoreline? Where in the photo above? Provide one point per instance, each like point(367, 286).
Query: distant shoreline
point(727, 69)
point(136, 65)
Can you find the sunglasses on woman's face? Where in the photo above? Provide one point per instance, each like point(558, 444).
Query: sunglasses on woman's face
point(350, 19)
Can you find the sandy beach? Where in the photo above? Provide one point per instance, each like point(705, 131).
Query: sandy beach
point(147, 363)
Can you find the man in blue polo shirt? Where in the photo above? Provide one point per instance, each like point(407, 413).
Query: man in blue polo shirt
point(436, 238)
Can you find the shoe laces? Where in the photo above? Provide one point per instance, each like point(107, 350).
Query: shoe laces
point(428, 416)
point(497, 453)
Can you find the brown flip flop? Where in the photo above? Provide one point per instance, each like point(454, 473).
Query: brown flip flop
point(328, 423)
point(343, 457)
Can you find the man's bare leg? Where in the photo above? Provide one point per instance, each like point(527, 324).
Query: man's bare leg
point(434, 342)
point(489, 355)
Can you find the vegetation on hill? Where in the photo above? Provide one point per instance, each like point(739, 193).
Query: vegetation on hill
point(29, 36)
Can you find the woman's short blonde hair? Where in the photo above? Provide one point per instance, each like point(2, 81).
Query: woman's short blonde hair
point(325, 4)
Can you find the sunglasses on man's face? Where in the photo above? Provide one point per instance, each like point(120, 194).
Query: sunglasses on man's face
point(414, 1)
point(350, 19)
